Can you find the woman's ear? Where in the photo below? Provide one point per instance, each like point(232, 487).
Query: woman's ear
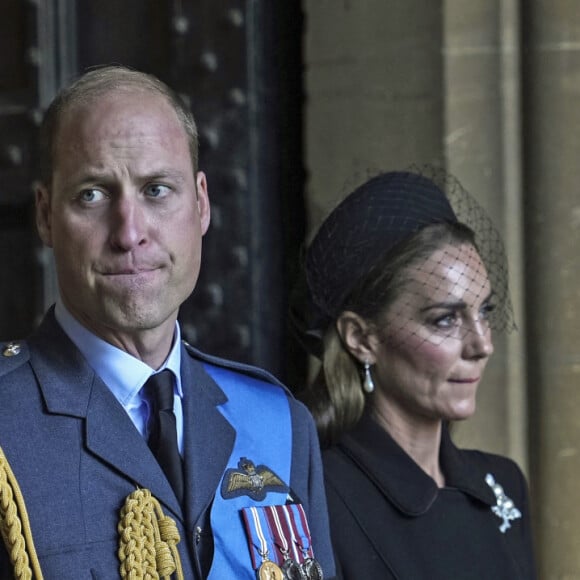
point(357, 335)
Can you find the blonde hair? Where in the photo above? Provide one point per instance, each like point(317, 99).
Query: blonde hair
point(335, 397)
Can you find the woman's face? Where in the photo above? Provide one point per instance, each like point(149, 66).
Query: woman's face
point(433, 342)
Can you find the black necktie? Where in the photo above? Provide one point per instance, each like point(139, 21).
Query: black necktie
point(162, 431)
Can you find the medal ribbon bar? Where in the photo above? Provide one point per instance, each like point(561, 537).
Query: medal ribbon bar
point(282, 531)
point(302, 529)
point(258, 535)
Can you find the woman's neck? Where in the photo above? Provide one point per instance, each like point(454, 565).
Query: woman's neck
point(419, 437)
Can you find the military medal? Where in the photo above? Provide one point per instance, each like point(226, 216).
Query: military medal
point(292, 570)
point(311, 568)
point(259, 535)
point(280, 544)
point(279, 526)
point(269, 570)
point(292, 539)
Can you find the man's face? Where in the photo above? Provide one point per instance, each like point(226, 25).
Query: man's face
point(125, 214)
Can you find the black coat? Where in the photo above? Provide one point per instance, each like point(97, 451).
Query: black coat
point(389, 520)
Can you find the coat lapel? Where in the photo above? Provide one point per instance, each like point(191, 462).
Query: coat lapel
point(112, 436)
point(208, 436)
point(71, 387)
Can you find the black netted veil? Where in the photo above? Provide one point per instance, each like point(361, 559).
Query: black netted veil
point(376, 217)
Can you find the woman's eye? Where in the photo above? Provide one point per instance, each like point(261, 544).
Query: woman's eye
point(446, 321)
point(91, 195)
point(157, 190)
point(486, 310)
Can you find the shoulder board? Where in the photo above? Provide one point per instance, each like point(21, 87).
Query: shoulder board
point(249, 370)
point(13, 353)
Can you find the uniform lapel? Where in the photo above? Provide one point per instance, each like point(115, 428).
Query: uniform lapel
point(70, 387)
point(208, 437)
point(112, 436)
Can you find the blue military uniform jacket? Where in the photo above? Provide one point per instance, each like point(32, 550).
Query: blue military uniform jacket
point(77, 456)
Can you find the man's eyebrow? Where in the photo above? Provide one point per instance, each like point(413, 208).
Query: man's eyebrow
point(93, 175)
point(163, 174)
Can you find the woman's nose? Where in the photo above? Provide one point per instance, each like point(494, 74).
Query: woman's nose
point(477, 340)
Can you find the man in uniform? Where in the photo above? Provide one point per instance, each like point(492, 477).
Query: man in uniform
point(130, 449)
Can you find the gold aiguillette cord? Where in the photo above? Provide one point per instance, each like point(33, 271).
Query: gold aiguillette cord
point(15, 526)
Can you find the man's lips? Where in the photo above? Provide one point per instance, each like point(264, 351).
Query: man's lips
point(128, 271)
point(465, 381)
point(133, 277)
point(124, 270)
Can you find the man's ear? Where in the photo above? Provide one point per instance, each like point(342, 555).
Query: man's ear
point(43, 214)
point(203, 205)
point(358, 336)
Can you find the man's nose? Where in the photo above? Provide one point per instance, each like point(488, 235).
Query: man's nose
point(128, 223)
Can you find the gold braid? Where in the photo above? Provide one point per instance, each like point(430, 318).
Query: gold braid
point(147, 540)
point(15, 526)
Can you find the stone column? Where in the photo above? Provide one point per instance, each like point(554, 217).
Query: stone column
point(373, 81)
point(483, 149)
point(552, 176)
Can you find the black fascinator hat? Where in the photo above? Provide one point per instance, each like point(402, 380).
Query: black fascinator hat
point(378, 215)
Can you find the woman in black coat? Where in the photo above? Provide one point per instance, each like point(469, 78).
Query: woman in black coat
point(399, 301)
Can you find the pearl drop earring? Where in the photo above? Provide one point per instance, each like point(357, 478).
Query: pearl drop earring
point(368, 383)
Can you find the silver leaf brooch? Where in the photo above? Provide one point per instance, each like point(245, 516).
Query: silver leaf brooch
point(504, 508)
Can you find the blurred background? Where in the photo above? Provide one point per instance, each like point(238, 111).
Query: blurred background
point(296, 103)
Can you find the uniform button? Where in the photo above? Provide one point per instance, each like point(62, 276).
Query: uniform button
point(11, 349)
point(198, 532)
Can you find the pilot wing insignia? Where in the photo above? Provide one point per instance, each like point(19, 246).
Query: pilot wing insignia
point(251, 480)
